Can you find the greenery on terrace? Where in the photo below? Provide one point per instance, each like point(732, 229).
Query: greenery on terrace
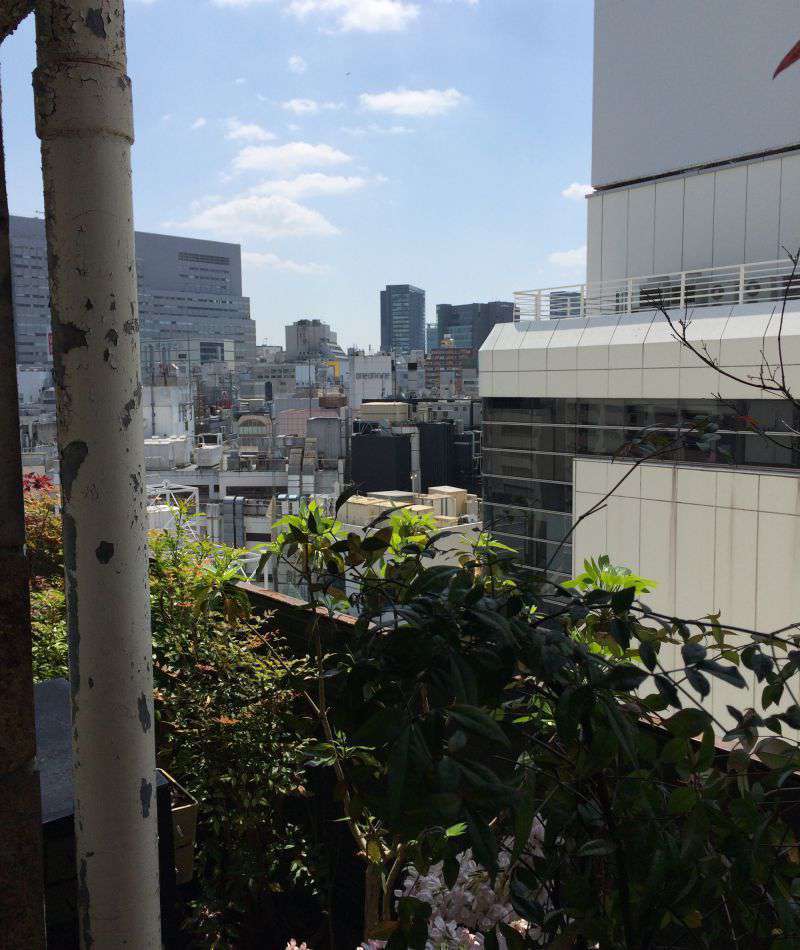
point(464, 737)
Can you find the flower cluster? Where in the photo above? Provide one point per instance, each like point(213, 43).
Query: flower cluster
point(473, 907)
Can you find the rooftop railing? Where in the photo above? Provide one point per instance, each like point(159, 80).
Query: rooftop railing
point(761, 282)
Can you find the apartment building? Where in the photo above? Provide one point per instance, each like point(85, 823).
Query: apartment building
point(696, 177)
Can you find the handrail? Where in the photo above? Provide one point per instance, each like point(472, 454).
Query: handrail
point(757, 282)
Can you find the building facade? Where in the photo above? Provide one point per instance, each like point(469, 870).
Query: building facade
point(469, 324)
point(690, 221)
point(402, 319)
point(311, 339)
point(188, 289)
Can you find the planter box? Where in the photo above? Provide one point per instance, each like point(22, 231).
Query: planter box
point(184, 829)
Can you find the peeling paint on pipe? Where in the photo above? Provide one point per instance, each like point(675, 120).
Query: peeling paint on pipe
point(84, 118)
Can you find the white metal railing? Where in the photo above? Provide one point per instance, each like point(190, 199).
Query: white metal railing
point(761, 282)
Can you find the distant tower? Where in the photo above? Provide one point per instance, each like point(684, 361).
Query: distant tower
point(402, 318)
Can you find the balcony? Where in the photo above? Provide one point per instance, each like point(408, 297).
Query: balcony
point(760, 282)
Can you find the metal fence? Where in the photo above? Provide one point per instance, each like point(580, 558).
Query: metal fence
point(761, 282)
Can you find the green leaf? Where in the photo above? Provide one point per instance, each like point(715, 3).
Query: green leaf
point(681, 801)
point(668, 690)
point(622, 600)
point(728, 674)
point(345, 496)
point(624, 677)
point(647, 654)
point(398, 769)
point(465, 687)
point(698, 681)
point(484, 843)
point(692, 652)
point(455, 831)
point(449, 774)
point(777, 753)
point(378, 541)
point(595, 848)
point(688, 723)
point(621, 632)
point(434, 579)
point(478, 721)
point(450, 871)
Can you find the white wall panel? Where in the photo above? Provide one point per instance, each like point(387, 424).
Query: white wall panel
point(615, 234)
point(711, 537)
point(698, 222)
point(730, 202)
point(657, 551)
point(594, 238)
point(735, 531)
point(763, 209)
point(668, 249)
point(790, 204)
point(778, 567)
point(681, 83)
point(641, 231)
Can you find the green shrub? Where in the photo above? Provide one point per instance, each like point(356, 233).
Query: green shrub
point(226, 725)
point(466, 710)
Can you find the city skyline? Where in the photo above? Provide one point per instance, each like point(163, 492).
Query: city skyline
point(357, 152)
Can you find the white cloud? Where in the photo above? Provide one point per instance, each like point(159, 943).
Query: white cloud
point(574, 259)
point(247, 132)
point(263, 216)
point(373, 129)
point(286, 158)
point(576, 191)
point(261, 259)
point(368, 16)
point(167, 117)
point(314, 183)
point(414, 102)
point(309, 106)
point(297, 64)
point(240, 81)
point(198, 123)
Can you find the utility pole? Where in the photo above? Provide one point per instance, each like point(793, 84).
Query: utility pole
point(21, 879)
point(84, 118)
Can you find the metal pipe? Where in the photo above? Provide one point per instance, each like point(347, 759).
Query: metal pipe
point(84, 118)
point(21, 882)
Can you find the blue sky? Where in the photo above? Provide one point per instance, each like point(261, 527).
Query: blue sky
point(347, 144)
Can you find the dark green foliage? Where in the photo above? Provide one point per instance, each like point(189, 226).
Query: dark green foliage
point(492, 711)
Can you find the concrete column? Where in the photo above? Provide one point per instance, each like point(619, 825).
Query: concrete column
point(85, 122)
point(21, 883)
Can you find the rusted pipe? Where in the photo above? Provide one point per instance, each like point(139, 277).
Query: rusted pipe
point(84, 118)
point(21, 883)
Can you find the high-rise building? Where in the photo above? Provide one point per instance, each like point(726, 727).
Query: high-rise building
point(432, 340)
point(469, 324)
point(311, 339)
point(188, 289)
point(402, 319)
point(692, 215)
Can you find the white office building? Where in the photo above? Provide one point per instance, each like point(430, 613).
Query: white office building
point(696, 176)
point(189, 289)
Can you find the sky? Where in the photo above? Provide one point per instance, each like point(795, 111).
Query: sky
point(347, 144)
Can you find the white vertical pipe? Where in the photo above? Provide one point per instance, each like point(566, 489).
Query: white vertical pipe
point(85, 123)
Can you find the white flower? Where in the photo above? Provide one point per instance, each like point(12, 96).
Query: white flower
point(472, 907)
